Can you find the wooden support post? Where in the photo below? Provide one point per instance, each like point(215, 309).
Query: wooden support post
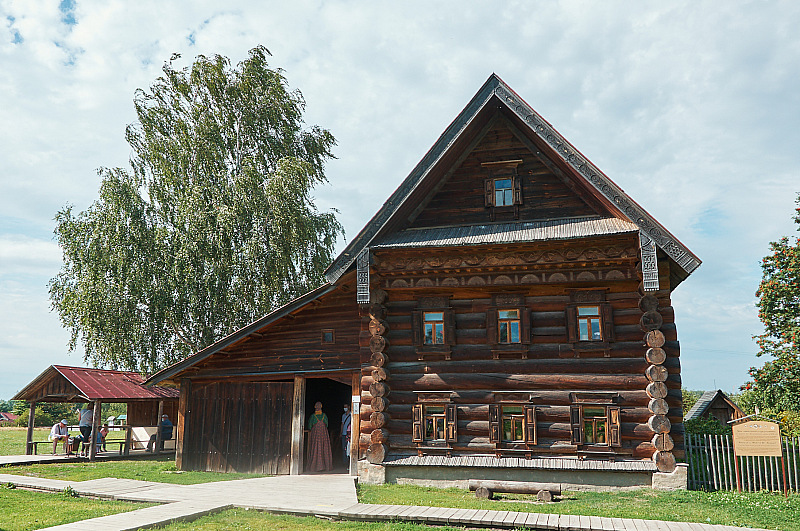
point(127, 438)
point(298, 423)
point(355, 423)
point(738, 476)
point(183, 412)
point(157, 449)
point(31, 421)
point(95, 430)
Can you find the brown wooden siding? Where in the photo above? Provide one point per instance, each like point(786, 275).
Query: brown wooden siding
point(461, 198)
point(238, 427)
point(294, 344)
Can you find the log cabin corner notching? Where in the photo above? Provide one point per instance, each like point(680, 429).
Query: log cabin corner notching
point(507, 311)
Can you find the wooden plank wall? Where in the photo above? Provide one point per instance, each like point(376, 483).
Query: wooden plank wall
point(145, 413)
point(294, 343)
point(461, 199)
point(239, 427)
point(551, 372)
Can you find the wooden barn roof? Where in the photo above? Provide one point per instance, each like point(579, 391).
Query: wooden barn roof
point(704, 402)
point(240, 334)
point(88, 384)
point(493, 97)
point(499, 233)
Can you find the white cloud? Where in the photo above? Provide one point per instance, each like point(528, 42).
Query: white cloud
point(692, 109)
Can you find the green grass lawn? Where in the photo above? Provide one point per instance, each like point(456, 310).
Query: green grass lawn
point(764, 510)
point(156, 468)
point(21, 510)
point(254, 520)
point(12, 440)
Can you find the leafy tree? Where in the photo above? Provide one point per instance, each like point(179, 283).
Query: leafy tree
point(47, 413)
point(689, 399)
point(212, 227)
point(776, 385)
point(6, 406)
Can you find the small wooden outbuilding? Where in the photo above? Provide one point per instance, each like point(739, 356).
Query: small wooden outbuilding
point(714, 404)
point(60, 383)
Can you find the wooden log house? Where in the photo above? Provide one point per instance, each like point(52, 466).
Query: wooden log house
point(505, 315)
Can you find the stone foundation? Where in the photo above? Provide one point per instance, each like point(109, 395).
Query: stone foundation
point(572, 475)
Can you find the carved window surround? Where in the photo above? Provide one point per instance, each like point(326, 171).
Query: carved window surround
point(514, 302)
point(593, 297)
point(605, 401)
point(523, 407)
point(503, 171)
point(420, 419)
point(433, 350)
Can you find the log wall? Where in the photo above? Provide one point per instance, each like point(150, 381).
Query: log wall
point(553, 368)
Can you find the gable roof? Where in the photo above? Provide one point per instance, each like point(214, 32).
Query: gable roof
point(240, 334)
point(704, 402)
point(496, 94)
point(88, 384)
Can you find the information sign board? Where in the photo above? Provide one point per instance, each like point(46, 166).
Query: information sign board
point(757, 438)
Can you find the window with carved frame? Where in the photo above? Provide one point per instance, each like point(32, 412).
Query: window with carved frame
point(595, 420)
point(434, 422)
point(589, 318)
point(508, 326)
point(512, 423)
point(503, 188)
point(433, 327)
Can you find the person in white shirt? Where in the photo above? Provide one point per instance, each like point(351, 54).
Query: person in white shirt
point(59, 432)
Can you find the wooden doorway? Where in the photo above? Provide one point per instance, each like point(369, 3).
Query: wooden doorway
point(334, 395)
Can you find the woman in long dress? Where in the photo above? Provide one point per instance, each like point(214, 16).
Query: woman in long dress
point(320, 458)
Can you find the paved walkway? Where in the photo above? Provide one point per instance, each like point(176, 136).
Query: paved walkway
point(331, 495)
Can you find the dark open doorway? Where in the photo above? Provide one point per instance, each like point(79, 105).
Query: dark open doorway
point(334, 396)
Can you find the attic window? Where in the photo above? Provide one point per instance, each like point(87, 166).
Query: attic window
point(328, 336)
point(503, 188)
point(503, 192)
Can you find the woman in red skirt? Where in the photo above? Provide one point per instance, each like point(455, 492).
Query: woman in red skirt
point(320, 458)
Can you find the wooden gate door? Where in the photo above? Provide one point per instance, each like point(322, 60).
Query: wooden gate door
point(239, 427)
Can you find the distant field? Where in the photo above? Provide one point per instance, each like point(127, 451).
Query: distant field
point(12, 440)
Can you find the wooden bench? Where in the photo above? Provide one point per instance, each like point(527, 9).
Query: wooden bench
point(486, 488)
point(140, 436)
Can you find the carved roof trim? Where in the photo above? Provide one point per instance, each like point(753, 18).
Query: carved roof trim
point(495, 89)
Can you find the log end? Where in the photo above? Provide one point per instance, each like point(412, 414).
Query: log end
point(376, 453)
point(484, 493)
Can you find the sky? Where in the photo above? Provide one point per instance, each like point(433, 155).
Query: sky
point(692, 107)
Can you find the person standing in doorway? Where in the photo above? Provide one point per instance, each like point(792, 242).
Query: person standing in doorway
point(320, 458)
point(346, 424)
point(85, 425)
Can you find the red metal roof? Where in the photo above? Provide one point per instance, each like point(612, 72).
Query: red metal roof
point(107, 385)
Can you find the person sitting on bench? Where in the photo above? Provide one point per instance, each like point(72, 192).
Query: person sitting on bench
point(166, 433)
point(59, 432)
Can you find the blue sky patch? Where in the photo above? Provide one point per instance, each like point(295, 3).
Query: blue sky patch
point(67, 8)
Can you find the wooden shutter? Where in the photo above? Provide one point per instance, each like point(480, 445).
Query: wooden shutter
point(488, 196)
point(614, 435)
point(525, 325)
point(491, 325)
point(517, 182)
point(451, 423)
point(416, 328)
point(494, 423)
point(416, 424)
point(572, 324)
point(576, 423)
point(607, 313)
point(530, 424)
point(449, 327)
